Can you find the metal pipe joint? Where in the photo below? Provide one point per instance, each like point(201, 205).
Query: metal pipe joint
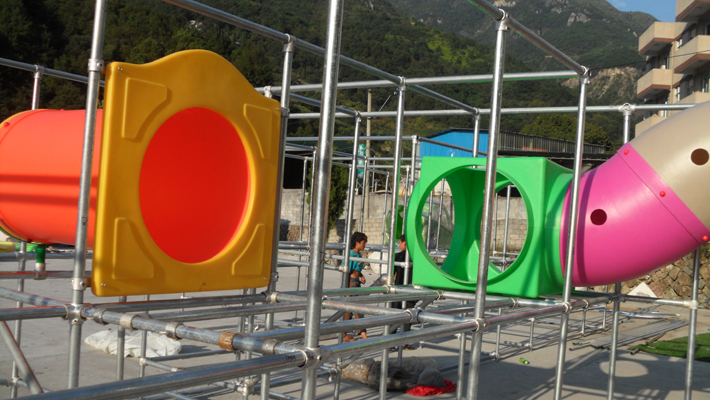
point(315, 356)
point(502, 23)
point(414, 312)
point(40, 271)
point(74, 313)
point(96, 65)
point(271, 297)
point(171, 330)
point(627, 109)
point(290, 44)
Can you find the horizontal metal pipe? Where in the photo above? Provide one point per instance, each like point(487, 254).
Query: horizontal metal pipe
point(336, 327)
point(244, 343)
point(33, 275)
point(509, 111)
point(12, 314)
point(16, 255)
point(46, 71)
point(317, 103)
point(437, 80)
point(28, 298)
point(153, 305)
point(186, 378)
point(230, 312)
point(185, 356)
point(440, 97)
point(398, 339)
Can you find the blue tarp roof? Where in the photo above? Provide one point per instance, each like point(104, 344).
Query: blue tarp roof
point(459, 137)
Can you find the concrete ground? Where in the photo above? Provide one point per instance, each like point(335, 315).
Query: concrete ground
point(641, 376)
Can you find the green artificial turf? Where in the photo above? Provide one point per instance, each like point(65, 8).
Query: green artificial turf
point(678, 347)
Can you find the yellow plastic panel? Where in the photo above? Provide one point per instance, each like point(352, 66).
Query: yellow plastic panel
point(188, 179)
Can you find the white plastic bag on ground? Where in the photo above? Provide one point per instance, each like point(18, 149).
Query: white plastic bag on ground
point(157, 345)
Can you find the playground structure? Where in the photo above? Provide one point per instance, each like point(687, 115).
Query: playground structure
point(312, 356)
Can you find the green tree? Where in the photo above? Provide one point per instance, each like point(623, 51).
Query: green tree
point(564, 126)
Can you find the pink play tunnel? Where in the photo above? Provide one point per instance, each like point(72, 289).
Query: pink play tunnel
point(644, 208)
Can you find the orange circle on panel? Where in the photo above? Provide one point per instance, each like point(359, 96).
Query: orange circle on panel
point(194, 180)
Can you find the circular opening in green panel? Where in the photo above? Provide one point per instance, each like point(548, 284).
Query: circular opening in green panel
point(437, 225)
point(454, 244)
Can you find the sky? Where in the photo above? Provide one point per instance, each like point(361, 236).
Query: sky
point(663, 10)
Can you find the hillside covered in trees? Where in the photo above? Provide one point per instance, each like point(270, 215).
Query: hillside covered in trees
point(57, 34)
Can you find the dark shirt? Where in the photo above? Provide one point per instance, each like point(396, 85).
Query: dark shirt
point(399, 271)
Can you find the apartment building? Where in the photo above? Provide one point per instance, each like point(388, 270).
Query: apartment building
point(677, 60)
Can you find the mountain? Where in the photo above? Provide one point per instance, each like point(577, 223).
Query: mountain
point(593, 32)
point(56, 34)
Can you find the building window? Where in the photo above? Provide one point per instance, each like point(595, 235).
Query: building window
point(677, 94)
point(705, 83)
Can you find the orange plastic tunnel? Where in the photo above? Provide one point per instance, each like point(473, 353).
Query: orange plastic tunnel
point(40, 164)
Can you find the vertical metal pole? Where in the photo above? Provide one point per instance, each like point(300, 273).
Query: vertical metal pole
point(441, 210)
point(362, 198)
point(395, 178)
point(489, 196)
point(368, 129)
point(498, 328)
point(18, 324)
point(692, 329)
point(95, 66)
point(144, 346)
point(476, 134)
point(406, 197)
point(24, 368)
point(288, 49)
point(303, 196)
point(573, 216)
point(614, 343)
point(415, 147)
point(39, 73)
point(428, 221)
point(415, 152)
point(320, 214)
point(310, 204)
point(351, 202)
point(384, 215)
point(120, 346)
point(505, 228)
point(495, 223)
point(626, 109)
point(393, 222)
point(462, 362)
point(617, 291)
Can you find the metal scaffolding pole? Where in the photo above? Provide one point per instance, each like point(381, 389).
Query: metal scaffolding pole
point(489, 197)
point(476, 134)
point(572, 235)
point(24, 370)
point(82, 221)
point(435, 80)
point(505, 111)
point(320, 212)
point(350, 203)
point(18, 324)
point(692, 330)
point(288, 50)
point(393, 222)
point(626, 109)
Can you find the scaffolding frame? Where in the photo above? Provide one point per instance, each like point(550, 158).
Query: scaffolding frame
point(312, 356)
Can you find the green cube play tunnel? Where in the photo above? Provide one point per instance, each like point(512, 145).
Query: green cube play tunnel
point(542, 185)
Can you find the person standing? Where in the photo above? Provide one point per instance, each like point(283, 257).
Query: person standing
point(356, 278)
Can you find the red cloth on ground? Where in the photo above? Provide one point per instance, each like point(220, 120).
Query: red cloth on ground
point(428, 390)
